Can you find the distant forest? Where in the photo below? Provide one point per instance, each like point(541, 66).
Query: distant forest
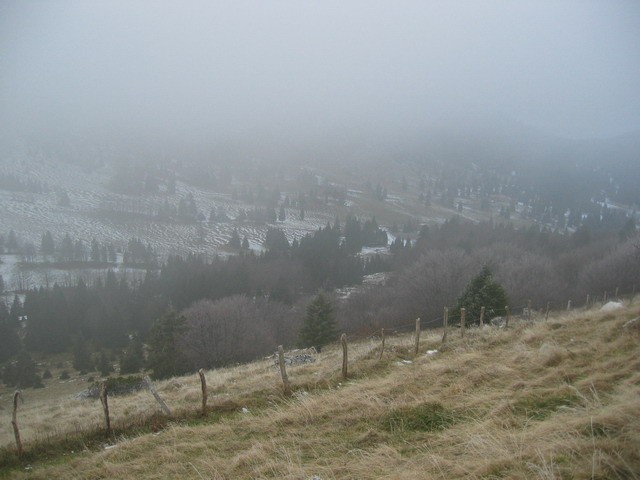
point(254, 302)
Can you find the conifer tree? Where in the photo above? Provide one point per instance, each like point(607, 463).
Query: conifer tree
point(133, 358)
point(165, 359)
point(319, 326)
point(482, 291)
point(81, 356)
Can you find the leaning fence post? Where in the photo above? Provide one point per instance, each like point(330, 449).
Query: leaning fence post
point(343, 340)
point(382, 349)
point(203, 384)
point(105, 406)
point(463, 313)
point(155, 394)
point(14, 422)
point(283, 371)
point(445, 320)
point(417, 336)
point(546, 315)
point(481, 316)
point(506, 325)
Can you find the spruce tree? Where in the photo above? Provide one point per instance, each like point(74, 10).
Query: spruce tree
point(165, 359)
point(319, 326)
point(81, 356)
point(482, 291)
point(133, 358)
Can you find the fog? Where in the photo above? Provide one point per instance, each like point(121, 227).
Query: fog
point(289, 73)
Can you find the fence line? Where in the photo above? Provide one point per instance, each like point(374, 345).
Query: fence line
point(527, 314)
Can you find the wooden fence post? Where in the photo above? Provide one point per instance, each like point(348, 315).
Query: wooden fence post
point(445, 319)
point(105, 406)
point(203, 384)
point(506, 325)
point(604, 298)
point(155, 394)
point(14, 422)
point(546, 315)
point(616, 295)
point(417, 336)
point(382, 349)
point(481, 316)
point(587, 302)
point(283, 371)
point(463, 314)
point(343, 340)
point(568, 305)
point(529, 310)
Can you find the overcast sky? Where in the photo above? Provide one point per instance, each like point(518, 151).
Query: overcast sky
point(215, 70)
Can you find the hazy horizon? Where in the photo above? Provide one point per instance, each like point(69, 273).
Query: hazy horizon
point(287, 73)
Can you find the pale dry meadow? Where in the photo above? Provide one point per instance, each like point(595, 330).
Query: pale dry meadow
point(554, 399)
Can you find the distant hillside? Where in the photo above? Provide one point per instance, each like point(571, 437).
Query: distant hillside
point(548, 399)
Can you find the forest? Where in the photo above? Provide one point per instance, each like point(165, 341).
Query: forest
point(228, 310)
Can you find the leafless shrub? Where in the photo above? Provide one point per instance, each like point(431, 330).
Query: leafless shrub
point(233, 329)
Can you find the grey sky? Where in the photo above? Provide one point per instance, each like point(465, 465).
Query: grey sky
point(215, 70)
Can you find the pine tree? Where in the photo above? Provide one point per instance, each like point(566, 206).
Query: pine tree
point(482, 291)
point(103, 364)
point(81, 356)
point(234, 242)
point(22, 372)
point(164, 355)
point(9, 340)
point(319, 326)
point(133, 358)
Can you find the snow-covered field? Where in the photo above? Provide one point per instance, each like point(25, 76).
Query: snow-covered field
point(32, 214)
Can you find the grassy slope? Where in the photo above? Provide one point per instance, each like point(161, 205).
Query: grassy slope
point(551, 400)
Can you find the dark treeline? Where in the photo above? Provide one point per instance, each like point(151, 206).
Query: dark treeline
point(236, 309)
point(109, 312)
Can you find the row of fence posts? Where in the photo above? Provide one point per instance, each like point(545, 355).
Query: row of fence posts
point(283, 371)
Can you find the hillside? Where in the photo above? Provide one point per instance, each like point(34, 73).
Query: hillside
point(554, 399)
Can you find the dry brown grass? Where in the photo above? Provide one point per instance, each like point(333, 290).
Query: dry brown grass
point(550, 400)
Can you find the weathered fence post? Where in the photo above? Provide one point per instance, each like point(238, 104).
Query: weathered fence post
point(283, 371)
point(463, 313)
point(587, 302)
point(155, 394)
point(417, 346)
point(616, 295)
point(14, 422)
point(604, 298)
point(382, 349)
point(568, 305)
point(445, 320)
point(546, 315)
point(105, 406)
point(481, 316)
point(203, 384)
point(343, 340)
point(508, 313)
point(529, 310)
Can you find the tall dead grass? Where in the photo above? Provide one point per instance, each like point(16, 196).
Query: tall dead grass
point(556, 399)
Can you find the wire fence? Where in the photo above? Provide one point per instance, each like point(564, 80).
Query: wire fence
point(527, 311)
